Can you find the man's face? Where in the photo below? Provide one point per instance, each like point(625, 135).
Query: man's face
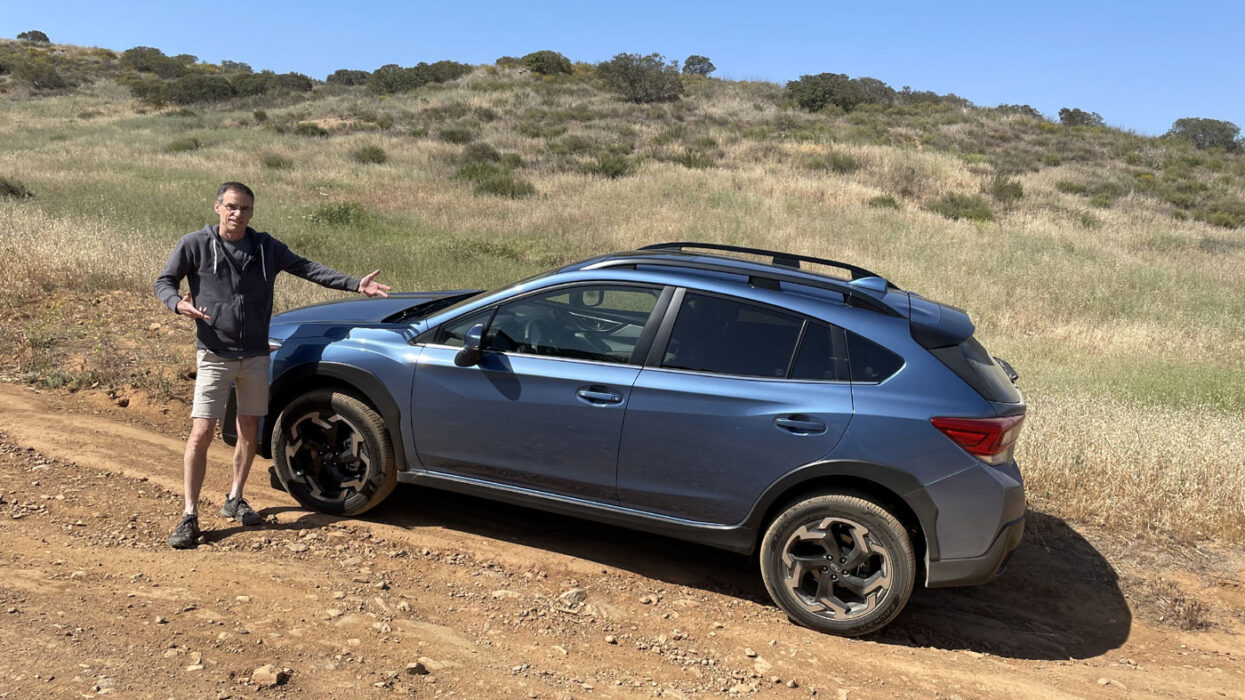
point(235, 210)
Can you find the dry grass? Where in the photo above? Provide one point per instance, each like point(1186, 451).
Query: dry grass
point(1127, 335)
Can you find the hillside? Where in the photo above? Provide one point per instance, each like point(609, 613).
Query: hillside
point(1104, 265)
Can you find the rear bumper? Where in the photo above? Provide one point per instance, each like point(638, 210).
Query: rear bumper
point(979, 519)
point(975, 570)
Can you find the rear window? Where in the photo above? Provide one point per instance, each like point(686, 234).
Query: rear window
point(972, 363)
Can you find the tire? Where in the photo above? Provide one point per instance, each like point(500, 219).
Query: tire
point(333, 454)
point(838, 564)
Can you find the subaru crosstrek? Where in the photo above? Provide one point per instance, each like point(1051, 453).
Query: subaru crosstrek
point(853, 435)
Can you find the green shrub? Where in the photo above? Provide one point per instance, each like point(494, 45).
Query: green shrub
point(34, 36)
point(1206, 133)
point(182, 145)
point(194, 89)
point(695, 159)
point(575, 144)
point(834, 161)
point(348, 78)
point(642, 79)
point(1228, 213)
point(962, 206)
point(1051, 159)
point(814, 93)
point(1101, 200)
point(546, 63)
point(393, 79)
point(1006, 190)
point(369, 155)
point(12, 189)
point(507, 62)
point(1087, 219)
point(340, 214)
point(505, 185)
point(1070, 187)
point(39, 75)
point(609, 165)
point(309, 129)
point(250, 84)
point(293, 82)
point(698, 65)
point(479, 170)
point(146, 59)
point(273, 161)
point(456, 134)
point(260, 116)
point(1077, 117)
point(418, 133)
point(480, 153)
point(884, 201)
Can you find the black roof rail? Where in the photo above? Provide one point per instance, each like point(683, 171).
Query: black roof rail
point(791, 260)
point(767, 279)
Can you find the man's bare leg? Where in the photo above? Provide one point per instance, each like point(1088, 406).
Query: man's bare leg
point(244, 452)
point(194, 463)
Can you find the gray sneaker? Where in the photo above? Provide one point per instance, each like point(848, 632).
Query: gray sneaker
point(238, 509)
point(186, 536)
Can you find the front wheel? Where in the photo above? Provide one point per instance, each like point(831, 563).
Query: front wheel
point(838, 564)
point(333, 454)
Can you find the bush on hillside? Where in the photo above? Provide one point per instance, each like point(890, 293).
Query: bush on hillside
point(642, 79)
point(507, 62)
point(1006, 190)
point(235, 66)
point(340, 214)
point(1228, 213)
point(962, 206)
point(391, 79)
point(309, 129)
point(1207, 133)
point(883, 201)
point(456, 134)
point(813, 93)
point(698, 65)
point(834, 162)
point(12, 189)
point(34, 36)
point(1077, 117)
point(479, 153)
point(248, 84)
point(609, 165)
point(146, 59)
point(546, 63)
point(193, 89)
point(274, 161)
point(293, 82)
point(369, 155)
point(349, 78)
point(39, 75)
point(182, 145)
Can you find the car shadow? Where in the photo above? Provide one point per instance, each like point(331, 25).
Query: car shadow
point(1059, 599)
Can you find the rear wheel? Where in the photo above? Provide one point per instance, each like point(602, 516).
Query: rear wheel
point(333, 454)
point(838, 564)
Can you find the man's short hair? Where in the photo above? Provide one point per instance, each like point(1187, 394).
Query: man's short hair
point(236, 187)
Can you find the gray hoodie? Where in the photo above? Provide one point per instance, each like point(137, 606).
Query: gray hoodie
point(238, 300)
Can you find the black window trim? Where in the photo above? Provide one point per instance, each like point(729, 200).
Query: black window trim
point(651, 325)
point(657, 351)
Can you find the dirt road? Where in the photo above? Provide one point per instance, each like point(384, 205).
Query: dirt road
point(437, 594)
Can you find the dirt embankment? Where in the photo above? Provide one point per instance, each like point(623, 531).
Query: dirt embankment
point(436, 594)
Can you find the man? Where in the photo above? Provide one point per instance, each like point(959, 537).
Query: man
point(230, 269)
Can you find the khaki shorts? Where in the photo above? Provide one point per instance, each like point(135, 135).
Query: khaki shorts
point(248, 375)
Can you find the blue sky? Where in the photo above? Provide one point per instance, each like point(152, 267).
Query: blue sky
point(1140, 64)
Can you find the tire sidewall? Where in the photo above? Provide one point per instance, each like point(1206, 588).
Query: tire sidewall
point(381, 477)
point(882, 526)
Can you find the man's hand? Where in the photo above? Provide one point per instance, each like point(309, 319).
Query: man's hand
point(369, 287)
point(186, 307)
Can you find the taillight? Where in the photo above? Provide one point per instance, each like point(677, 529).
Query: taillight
point(989, 439)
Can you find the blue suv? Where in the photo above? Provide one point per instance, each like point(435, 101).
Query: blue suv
point(853, 435)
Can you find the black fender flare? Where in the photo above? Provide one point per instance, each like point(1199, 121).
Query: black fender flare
point(370, 389)
point(871, 477)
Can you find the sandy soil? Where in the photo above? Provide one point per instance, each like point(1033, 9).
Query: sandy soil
point(436, 594)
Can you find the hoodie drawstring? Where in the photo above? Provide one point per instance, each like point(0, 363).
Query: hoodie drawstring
point(262, 269)
point(215, 246)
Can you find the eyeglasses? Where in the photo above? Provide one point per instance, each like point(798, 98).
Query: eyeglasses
point(233, 208)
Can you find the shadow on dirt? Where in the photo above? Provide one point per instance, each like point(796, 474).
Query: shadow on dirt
point(1059, 599)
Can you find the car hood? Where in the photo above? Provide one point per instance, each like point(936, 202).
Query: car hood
point(363, 310)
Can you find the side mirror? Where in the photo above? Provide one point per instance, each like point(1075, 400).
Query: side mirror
point(470, 354)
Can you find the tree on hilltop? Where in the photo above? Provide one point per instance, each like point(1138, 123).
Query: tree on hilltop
point(698, 65)
point(642, 78)
point(1207, 133)
point(34, 36)
point(1071, 116)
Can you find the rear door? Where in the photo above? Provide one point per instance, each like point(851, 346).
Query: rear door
point(738, 395)
point(544, 407)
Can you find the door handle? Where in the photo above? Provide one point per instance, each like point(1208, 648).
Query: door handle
point(800, 424)
point(598, 395)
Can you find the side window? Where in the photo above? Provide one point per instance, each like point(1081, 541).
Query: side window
point(712, 334)
point(452, 333)
point(823, 355)
point(871, 362)
point(597, 322)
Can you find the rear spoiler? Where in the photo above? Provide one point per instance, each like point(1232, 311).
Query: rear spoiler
point(937, 325)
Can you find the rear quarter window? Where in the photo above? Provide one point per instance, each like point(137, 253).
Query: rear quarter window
point(870, 362)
